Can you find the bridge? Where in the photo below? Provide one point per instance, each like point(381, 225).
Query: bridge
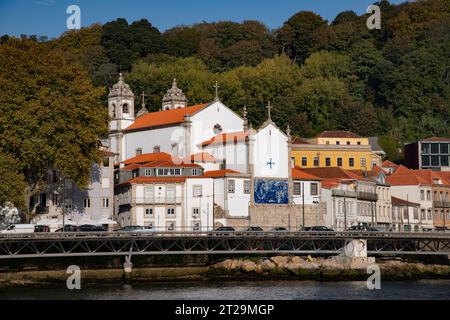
point(72, 244)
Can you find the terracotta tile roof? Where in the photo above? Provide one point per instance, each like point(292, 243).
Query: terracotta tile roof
point(376, 170)
point(389, 164)
point(300, 174)
point(330, 183)
point(202, 157)
point(338, 134)
point(406, 180)
point(401, 170)
point(164, 118)
point(429, 176)
point(333, 173)
point(225, 138)
point(147, 157)
point(300, 141)
point(401, 202)
point(220, 173)
point(431, 139)
point(157, 179)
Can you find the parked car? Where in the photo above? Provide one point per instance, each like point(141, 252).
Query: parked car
point(254, 229)
point(18, 228)
point(318, 229)
point(223, 231)
point(90, 228)
point(362, 227)
point(68, 228)
point(441, 229)
point(41, 229)
point(279, 229)
point(136, 229)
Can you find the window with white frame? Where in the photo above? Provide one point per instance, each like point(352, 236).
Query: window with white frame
point(197, 190)
point(149, 211)
point(170, 193)
point(195, 213)
point(231, 186)
point(314, 189)
point(105, 183)
point(297, 188)
point(148, 172)
point(148, 193)
point(246, 186)
point(87, 202)
point(170, 212)
point(105, 202)
point(194, 172)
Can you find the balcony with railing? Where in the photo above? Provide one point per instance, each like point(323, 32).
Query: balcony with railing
point(441, 204)
point(368, 196)
point(344, 193)
point(152, 200)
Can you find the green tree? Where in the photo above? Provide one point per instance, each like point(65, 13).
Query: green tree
point(12, 183)
point(51, 115)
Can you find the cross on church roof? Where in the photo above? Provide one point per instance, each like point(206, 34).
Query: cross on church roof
point(269, 107)
point(143, 99)
point(216, 87)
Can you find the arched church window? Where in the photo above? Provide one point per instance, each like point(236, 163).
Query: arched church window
point(125, 108)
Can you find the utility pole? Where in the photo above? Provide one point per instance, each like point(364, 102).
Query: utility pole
point(303, 203)
point(345, 214)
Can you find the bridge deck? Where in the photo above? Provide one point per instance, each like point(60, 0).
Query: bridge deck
point(35, 245)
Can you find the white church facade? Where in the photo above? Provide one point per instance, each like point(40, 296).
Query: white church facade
point(248, 169)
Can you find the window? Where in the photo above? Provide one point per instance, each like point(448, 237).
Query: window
point(435, 148)
point(358, 143)
point(363, 162)
point(195, 213)
point(328, 162)
point(55, 199)
point(314, 189)
point(435, 161)
point(327, 142)
point(351, 162)
point(148, 211)
point(428, 195)
point(105, 202)
point(125, 108)
point(105, 183)
point(170, 193)
point(416, 213)
point(422, 195)
point(231, 186)
point(197, 190)
point(444, 148)
point(170, 226)
point(338, 143)
point(425, 148)
point(316, 161)
point(293, 162)
point(426, 161)
point(423, 214)
point(304, 161)
point(148, 172)
point(194, 172)
point(54, 176)
point(170, 212)
point(105, 161)
point(339, 162)
point(246, 186)
point(68, 203)
point(148, 193)
point(444, 161)
point(348, 143)
point(138, 151)
point(297, 188)
point(196, 226)
point(87, 203)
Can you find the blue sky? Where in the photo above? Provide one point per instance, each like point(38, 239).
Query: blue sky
point(48, 17)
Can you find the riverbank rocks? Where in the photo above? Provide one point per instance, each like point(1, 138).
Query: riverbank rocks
point(267, 265)
point(248, 266)
point(280, 261)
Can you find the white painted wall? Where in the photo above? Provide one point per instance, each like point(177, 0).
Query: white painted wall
point(309, 199)
point(270, 143)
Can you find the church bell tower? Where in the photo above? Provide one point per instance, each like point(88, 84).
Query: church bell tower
point(121, 113)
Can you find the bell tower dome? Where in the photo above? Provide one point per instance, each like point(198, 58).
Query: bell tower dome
point(121, 113)
point(174, 98)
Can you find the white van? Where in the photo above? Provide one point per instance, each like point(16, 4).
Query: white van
point(18, 228)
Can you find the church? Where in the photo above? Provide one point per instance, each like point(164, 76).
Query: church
point(250, 169)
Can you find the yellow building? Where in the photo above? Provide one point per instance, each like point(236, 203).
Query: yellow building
point(334, 149)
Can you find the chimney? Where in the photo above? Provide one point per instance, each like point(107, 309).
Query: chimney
point(156, 149)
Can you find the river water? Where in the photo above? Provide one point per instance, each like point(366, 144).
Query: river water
point(262, 290)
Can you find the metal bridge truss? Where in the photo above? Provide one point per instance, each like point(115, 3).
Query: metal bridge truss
point(113, 244)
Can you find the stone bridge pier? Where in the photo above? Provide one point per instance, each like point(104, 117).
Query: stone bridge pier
point(354, 254)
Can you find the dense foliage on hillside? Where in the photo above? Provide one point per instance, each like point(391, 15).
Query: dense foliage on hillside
point(319, 75)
